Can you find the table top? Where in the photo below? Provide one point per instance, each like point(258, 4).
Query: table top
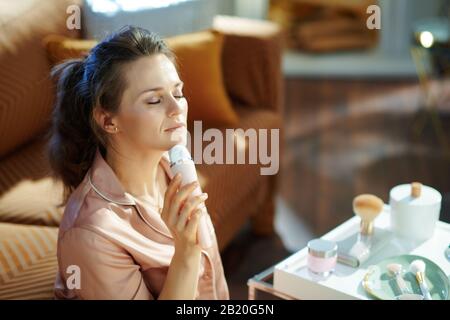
point(291, 278)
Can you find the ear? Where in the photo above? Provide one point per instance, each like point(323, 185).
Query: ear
point(105, 120)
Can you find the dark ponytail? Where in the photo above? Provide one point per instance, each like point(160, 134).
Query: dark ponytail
point(82, 85)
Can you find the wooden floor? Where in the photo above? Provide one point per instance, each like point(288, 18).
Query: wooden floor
point(344, 138)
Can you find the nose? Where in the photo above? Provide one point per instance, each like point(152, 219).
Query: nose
point(175, 107)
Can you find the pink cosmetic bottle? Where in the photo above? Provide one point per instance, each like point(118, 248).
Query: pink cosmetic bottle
point(322, 256)
point(181, 162)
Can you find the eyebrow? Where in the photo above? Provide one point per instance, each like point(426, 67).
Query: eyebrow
point(161, 88)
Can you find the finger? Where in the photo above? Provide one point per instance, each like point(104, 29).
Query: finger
point(180, 197)
point(170, 192)
point(178, 200)
point(172, 187)
point(192, 224)
point(188, 207)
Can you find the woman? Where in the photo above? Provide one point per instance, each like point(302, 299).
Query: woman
point(129, 229)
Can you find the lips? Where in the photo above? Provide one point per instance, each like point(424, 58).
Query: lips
point(177, 126)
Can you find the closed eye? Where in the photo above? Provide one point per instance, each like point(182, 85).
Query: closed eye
point(159, 101)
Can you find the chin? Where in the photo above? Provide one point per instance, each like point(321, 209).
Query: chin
point(176, 140)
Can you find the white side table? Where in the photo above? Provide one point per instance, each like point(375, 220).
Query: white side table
point(290, 278)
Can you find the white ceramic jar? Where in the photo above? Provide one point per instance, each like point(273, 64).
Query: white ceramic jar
point(415, 209)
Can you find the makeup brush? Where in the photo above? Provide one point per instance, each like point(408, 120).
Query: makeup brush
point(367, 207)
point(395, 270)
point(417, 267)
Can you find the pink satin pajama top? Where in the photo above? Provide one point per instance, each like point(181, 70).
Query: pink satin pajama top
point(118, 247)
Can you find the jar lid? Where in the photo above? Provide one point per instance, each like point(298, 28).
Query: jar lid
point(322, 248)
point(405, 193)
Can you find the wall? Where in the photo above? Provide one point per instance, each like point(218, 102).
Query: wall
point(397, 20)
point(255, 9)
point(185, 17)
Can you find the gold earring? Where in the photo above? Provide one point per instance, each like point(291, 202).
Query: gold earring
point(115, 129)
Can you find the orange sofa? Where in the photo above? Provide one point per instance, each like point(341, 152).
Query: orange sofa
point(30, 208)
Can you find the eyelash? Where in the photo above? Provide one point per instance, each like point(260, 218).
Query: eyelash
point(177, 97)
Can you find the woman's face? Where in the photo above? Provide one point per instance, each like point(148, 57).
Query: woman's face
point(153, 110)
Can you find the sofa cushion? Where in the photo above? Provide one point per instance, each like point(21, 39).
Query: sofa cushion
point(251, 61)
point(198, 56)
point(26, 91)
point(27, 193)
point(28, 263)
point(199, 59)
point(60, 48)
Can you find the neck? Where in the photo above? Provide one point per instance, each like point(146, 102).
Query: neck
point(137, 172)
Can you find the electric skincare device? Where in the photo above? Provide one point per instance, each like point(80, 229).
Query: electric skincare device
point(181, 162)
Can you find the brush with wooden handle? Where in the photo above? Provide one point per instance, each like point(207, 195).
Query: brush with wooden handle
point(367, 207)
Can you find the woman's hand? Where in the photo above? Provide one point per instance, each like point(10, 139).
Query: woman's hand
point(181, 212)
point(181, 215)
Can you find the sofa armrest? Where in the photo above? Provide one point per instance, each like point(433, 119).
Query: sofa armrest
point(252, 61)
